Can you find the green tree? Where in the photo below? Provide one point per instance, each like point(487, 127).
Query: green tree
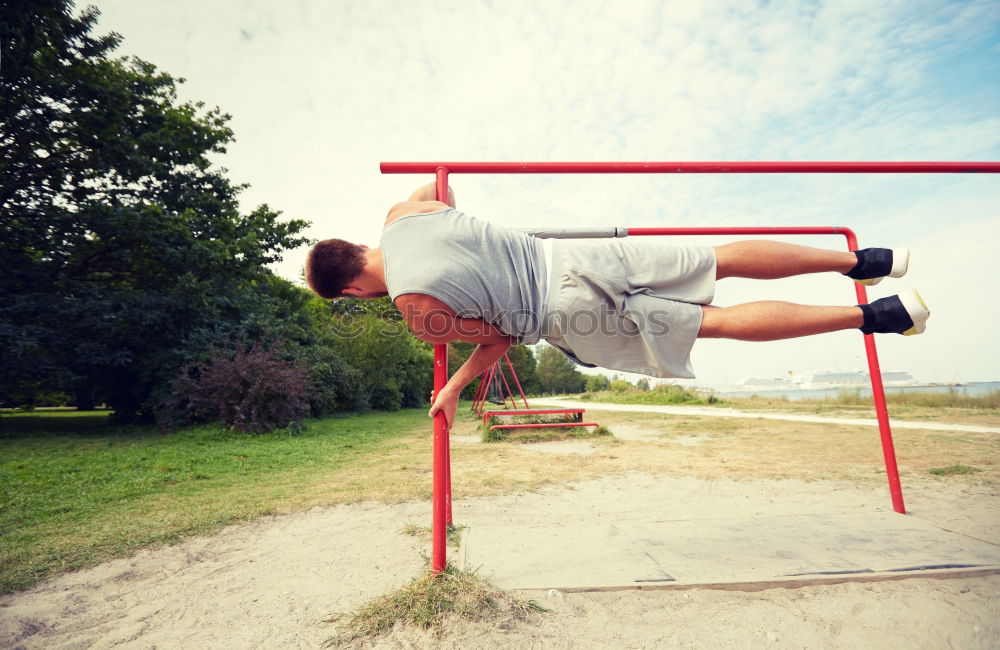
point(395, 369)
point(642, 383)
point(597, 383)
point(297, 323)
point(123, 249)
point(526, 366)
point(557, 374)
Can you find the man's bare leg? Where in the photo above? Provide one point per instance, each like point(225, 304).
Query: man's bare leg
point(768, 260)
point(771, 320)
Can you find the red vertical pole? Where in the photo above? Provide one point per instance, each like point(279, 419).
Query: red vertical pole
point(514, 375)
point(442, 195)
point(442, 487)
point(878, 395)
point(440, 510)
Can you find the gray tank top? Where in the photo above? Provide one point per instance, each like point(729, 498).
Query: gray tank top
point(477, 268)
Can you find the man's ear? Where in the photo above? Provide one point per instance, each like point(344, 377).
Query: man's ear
point(352, 291)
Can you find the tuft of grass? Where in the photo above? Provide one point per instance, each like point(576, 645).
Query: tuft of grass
point(414, 530)
point(427, 602)
point(954, 469)
point(453, 534)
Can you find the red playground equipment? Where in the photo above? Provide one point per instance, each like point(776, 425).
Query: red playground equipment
point(494, 388)
point(442, 516)
point(491, 388)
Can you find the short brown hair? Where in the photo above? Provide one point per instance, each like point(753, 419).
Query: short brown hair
point(332, 264)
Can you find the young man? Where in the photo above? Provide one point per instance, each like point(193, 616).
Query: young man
point(631, 304)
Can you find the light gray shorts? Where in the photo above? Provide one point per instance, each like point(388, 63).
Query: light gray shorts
point(630, 304)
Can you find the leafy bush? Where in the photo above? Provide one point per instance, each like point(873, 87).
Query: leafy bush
point(674, 394)
point(620, 386)
point(250, 390)
point(333, 385)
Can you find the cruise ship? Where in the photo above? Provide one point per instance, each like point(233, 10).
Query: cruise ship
point(852, 378)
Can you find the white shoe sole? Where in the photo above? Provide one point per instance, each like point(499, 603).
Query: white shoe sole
point(900, 263)
point(917, 310)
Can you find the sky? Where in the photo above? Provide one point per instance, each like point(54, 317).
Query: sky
point(321, 92)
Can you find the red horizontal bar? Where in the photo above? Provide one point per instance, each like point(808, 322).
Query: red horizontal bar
point(544, 425)
point(762, 230)
point(532, 412)
point(693, 167)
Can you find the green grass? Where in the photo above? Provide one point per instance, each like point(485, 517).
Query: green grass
point(954, 469)
point(75, 490)
point(426, 603)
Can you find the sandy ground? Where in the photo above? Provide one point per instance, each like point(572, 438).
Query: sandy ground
point(270, 584)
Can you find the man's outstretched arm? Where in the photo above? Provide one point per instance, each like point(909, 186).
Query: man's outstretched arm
point(484, 356)
point(429, 193)
point(492, 344)
point(424, 199)
point(431, 320)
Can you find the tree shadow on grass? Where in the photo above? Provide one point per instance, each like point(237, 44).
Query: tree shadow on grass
point(19, 425)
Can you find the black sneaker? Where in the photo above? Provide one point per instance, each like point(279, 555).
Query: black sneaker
point(904, 314)
point(877, 263)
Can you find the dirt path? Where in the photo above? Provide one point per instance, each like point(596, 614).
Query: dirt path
point(737, 413)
